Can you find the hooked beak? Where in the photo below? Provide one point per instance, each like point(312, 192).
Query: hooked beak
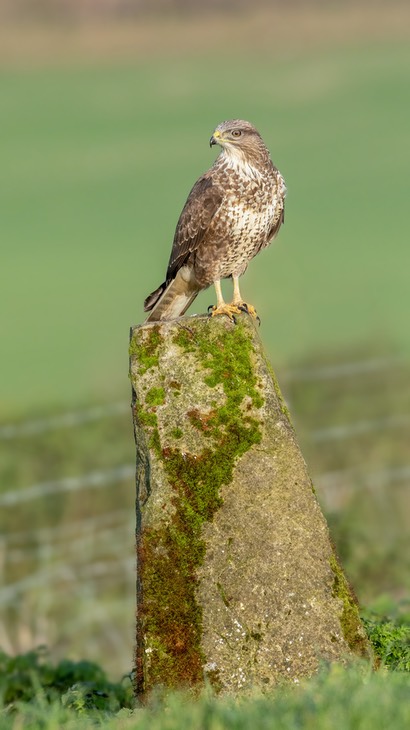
point(215, 138)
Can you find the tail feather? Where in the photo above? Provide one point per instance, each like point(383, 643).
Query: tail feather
point(172, 300)
point(152, 298)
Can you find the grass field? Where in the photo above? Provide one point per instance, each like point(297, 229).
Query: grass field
point(97, 160)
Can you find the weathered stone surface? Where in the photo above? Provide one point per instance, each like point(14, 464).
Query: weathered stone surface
point(237, 580)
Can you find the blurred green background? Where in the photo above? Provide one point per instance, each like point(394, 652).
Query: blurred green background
point(106, 117)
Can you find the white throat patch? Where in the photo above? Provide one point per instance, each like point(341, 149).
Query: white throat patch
point(235, 159)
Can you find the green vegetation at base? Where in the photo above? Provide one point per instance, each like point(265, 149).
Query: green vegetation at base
point(352, 698)
point(79, 685)
point(390, 639)
point(34, 693)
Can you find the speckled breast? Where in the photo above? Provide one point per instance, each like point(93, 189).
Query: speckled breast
point(240, 228)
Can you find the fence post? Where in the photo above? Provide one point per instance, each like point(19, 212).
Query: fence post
point(237, 580)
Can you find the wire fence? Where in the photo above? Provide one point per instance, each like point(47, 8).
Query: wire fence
point(66, 531)
point(92, 480)
point(359, 428)
point(64, 572)
point(95, 480)
point(344, 370)
point(72, 419)
point(59, 545)
point(70, 562)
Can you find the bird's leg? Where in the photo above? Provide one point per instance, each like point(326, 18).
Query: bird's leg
point(219, 296)
point(238, 301)
point(221, 307)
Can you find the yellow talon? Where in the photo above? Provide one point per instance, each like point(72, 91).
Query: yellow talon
point(230, 310)
point(248, 308)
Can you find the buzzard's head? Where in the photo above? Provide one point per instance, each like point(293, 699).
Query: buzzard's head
point(242, 146)
point(235, 133)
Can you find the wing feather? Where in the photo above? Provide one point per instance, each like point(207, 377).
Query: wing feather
point(202, 203)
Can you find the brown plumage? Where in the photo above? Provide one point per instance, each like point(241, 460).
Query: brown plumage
point(233, 211)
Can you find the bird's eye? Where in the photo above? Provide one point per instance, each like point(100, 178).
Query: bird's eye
point(236, 133)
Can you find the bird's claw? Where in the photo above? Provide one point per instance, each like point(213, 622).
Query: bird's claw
point(249, 309)
point(228, 309)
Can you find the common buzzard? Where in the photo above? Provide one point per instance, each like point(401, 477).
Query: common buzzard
point(233, 211)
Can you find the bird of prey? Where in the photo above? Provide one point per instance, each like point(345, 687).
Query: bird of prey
point(233, 211)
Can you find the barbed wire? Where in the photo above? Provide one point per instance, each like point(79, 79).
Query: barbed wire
point(343, 370)
point(66, 531)
point(100, 479)
point(334, 433)
point(319, 435)
point(375, 479)
point(93, 480)
point(117, 539)
point(127, 471)
point(64, 572)
point(75, 572)
point(71, 419)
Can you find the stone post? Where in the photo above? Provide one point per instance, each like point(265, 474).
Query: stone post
point(237, 580)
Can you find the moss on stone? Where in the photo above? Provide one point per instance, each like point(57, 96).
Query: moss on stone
point(146, 418)
point(154, 442)
point(144, 346)
point(350, 621)
point(204, 422)
point(155, 397)
point(170, 554)
point(227, 355)
point(177, 433)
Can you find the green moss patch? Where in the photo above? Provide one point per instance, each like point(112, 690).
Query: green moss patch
point(177, 433)
point(146, 418)
point(144, 345)
point(351, 624)
point(155, 397)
